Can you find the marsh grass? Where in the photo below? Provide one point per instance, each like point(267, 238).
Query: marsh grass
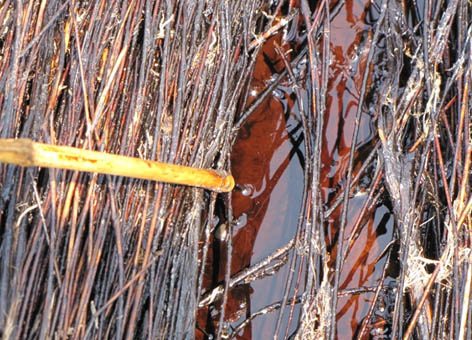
point(87, 256)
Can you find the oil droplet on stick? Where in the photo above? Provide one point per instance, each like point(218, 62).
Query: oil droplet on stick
point(247, 189)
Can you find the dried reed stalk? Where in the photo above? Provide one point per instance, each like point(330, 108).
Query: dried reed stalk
point(25, 152)
point(93, 256)
point(112, 257)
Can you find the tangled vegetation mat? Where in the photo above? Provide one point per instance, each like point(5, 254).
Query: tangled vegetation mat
point(369, 100)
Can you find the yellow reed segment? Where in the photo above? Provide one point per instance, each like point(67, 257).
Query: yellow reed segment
point(16, 151)
point(24, 152)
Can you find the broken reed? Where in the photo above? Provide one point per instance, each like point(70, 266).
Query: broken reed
point(25, 152)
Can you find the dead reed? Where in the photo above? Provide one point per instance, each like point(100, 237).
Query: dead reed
point(92, 256)
point(420, 64)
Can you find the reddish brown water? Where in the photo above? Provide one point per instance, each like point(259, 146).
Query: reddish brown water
point(268, 165)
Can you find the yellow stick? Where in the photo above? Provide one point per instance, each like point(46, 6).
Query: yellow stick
point(25, 152)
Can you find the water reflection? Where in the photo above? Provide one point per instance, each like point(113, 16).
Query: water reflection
point(267, 163)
